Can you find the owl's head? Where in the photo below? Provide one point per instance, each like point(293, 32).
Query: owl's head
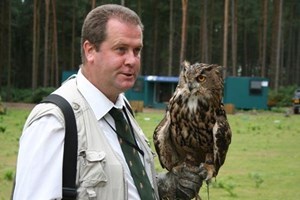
point(201, 78)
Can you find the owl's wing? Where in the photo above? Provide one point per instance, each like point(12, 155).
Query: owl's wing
point(222, 137)
point(164, 146)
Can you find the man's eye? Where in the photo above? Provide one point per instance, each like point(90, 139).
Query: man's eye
point(121, 49)
point(137, 51)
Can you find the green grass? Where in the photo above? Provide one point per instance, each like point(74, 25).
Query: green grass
point(263, 161)
point(11, 125)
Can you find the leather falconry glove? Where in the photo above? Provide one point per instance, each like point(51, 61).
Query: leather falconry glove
point(182, 183)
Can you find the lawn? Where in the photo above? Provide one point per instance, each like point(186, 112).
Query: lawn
point(263, 161)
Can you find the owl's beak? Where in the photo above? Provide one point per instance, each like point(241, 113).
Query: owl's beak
point(190, 86)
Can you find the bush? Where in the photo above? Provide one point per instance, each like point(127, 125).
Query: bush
point(26, 95)
point(9, 175)
point(40, 93)
point(281, 98)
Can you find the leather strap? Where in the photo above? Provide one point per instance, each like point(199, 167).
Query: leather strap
point(70, 146)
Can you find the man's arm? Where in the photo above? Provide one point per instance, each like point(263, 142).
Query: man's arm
point(39, 164)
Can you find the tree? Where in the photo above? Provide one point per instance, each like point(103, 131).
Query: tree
point(35, 44)
point(3, 24)
point(74, 21)
point(55, 66)
point(203, 33)
point(276, 44)
point(183, 29)
point(171, 27)
point(196, 30)
point(263, 41)
point(9, 53)
point(155, 38)
point(46, 71)
point(234, 36)
point(93, 3)
point(225, 36)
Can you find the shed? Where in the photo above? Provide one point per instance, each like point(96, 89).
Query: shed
point(154, 91)
point(246, 92)
point(66, 74)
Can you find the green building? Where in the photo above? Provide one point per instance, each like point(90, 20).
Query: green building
point(154, 91)
point(246, 92)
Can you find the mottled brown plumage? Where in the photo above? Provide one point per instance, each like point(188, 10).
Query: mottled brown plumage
point(195, 130)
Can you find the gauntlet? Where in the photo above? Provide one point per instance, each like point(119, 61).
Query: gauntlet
point(182, 183)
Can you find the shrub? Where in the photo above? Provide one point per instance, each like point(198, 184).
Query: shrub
point(40, 93)
point(281, 98)
point(26, 95)
point(9, 175)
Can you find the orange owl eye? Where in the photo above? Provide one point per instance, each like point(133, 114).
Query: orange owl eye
point(201, 78)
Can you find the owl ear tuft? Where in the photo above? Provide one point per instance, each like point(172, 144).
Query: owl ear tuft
point(184, 65)
point(220, 69)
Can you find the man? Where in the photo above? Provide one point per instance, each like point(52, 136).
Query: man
point(112, 40)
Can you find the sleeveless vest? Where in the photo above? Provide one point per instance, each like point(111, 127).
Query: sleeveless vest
point(100, 174)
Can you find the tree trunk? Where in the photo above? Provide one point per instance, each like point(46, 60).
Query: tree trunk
point(73, 36)
point(155, 38)
point(210, 30)
point(9, 80)
point(234, 36)
point(297, 62)
point(171, 27)
point(46, 72)
point(2, 41)
point(35, 44)
point(183, 29)
point(93, 4)
point(264, 38)
point(203, 33)
point(276, 39)
point(123, 2)
point(55, 55)
point(225, 36)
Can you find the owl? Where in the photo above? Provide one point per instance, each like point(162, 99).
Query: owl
point(195, 130)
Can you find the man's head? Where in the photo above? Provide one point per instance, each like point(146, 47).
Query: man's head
point(112, 40)
point(94, 28)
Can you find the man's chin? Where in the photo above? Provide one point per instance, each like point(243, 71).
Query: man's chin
point(127, 85)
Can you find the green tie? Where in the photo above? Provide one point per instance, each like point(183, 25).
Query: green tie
point(131, 153)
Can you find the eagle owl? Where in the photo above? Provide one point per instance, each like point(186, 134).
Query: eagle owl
point(195, 130)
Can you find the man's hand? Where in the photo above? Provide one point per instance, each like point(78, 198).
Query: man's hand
point(183, 182)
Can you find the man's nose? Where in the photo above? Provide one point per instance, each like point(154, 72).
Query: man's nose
point(131, 58)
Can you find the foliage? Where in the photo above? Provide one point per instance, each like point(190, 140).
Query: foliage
point(281, 98)
point(156, 37)
point(27, 95)
point(9, 175)
point(227, 185)
point(257, 178)
point(40, 93)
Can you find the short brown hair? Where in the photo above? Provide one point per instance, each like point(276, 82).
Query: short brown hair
point(94, 25)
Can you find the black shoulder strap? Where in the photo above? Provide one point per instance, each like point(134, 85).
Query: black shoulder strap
point(70, 146)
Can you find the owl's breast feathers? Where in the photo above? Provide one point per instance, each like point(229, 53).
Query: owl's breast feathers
point(192, 127)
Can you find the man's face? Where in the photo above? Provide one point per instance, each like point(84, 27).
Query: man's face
point(116, 65)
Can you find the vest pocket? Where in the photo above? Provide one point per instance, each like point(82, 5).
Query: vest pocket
point(91, 173)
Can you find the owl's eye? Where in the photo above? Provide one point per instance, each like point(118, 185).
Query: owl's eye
point(201, 78)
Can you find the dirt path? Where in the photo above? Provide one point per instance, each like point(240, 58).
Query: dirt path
point(18, 105)
point(30, 106)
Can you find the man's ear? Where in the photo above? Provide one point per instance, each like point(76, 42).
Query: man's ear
point(89, 50)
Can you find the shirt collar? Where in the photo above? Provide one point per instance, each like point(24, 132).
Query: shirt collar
point(98, 102)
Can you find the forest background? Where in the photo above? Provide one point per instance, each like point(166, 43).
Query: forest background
point(41, 38)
